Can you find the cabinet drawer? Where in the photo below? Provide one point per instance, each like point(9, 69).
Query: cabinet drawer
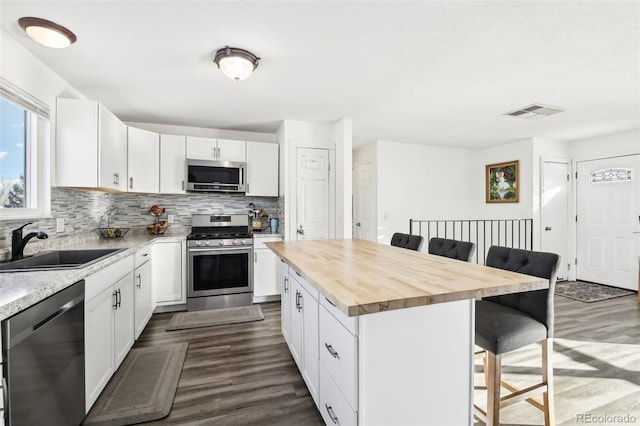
point(350, 323)
point(143, 255)
point(333, 407)
point(260, 242)
point(339, 355)
point(103, 279)
point(303, 283)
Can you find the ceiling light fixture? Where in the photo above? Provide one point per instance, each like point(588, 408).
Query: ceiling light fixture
point(237, 64)
point(47, 33)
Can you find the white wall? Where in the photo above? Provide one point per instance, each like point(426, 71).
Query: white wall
point(419, 182)
point(344, 178)
point(334, 136)
point(606, 146)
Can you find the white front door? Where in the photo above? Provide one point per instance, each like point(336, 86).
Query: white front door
point(554, 212)
point(608, 196)
point(312, 209)
point(364, 215)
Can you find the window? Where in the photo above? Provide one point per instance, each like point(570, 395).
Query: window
point(24, 154)
point(13, 155)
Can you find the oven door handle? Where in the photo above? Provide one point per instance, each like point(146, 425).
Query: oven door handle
point(214, 250)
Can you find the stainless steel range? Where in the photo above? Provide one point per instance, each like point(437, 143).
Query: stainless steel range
point(220, 267)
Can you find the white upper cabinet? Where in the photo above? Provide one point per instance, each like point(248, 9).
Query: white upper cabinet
point(172, 164)
point(229, 150)
point(199, 148)
point(91, 146)
point(143, 160)
point(262, 169)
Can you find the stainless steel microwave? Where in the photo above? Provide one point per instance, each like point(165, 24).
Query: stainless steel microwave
point(215, 176)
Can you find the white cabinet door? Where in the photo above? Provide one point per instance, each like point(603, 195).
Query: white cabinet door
point(172, 164)
point(112, 139)
point(123, 333)
point(199, 148)
point(169, 272)
point(297, 322)
point(143, 298)
point(310, 354)
point(143, 158)
point(230, 150)
point(91, 146)
point(262, 169)
point(98, 337)
point(285, 300)
point(265, 269)
point(77, 143)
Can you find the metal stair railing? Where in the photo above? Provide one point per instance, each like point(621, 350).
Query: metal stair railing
point(514, 233)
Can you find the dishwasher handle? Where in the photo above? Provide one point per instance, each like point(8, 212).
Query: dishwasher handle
point(64, 308)
point(29, 321)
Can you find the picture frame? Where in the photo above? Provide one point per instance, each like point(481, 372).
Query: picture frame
point(502, 182)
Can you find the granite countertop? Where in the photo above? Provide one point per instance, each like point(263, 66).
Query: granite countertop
point(20, 290)
point(362, 277)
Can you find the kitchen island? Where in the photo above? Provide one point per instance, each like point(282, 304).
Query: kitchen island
point(384, 335)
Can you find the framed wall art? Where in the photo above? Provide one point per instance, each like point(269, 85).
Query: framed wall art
point(502, 182)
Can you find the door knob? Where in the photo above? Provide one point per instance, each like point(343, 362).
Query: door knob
point(547, 228)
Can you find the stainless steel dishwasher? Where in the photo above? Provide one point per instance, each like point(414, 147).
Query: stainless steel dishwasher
point(43, 349)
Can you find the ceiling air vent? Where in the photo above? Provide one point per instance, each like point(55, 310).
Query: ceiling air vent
point(534, 112)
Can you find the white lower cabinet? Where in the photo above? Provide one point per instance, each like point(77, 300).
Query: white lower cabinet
point(265, 270)
point(381, 368)
point(2, 384)
point(109, 324)
point(304, 331)
point(169, 273)
point(285, 300)
point(142, 289)
point(333, 406)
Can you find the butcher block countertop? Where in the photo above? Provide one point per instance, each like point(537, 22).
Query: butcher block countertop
point(362, 277)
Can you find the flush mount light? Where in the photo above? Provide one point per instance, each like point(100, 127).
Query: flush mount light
point(47, 33)
point(237, 64)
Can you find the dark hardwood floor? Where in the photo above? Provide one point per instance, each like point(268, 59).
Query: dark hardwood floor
point(244, 374)
point(236, 374)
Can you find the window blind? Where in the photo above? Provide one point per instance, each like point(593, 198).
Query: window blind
point(13, 93)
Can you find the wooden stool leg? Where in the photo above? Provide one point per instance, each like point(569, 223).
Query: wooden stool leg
point(493, 374)
point(547, 377)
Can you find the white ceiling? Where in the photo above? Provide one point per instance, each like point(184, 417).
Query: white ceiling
point(433, 72)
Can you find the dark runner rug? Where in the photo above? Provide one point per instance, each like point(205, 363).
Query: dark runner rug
point(206, 318)
point(142, 389)
point(589, 292)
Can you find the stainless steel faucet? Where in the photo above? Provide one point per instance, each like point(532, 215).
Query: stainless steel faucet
point(18, 242)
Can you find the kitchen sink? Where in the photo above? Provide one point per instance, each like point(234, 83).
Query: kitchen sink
point(59, 259)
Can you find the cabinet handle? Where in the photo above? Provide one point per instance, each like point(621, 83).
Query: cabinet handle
point(139, 281)
point(330, 302)
point(115, 178)
point(183, 184)
point(286, 284)
point(218, 154)
point(301, 303)
point(118, 178)
point(331, 350)
point(255, 257)
point(332, 416)
point(130, 183)
point(213, 152)
point(115, 303)
point(119, 298)
point(247, 188)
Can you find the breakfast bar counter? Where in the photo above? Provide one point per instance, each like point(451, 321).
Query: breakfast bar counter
point(384, 335)
point(363, 277)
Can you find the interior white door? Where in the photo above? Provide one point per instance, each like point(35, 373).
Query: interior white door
point(554, 212)
point(364, 203)
point(608, 238)
point(312, 183)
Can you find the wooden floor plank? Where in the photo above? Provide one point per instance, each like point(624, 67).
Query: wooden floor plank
point(244, 374)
